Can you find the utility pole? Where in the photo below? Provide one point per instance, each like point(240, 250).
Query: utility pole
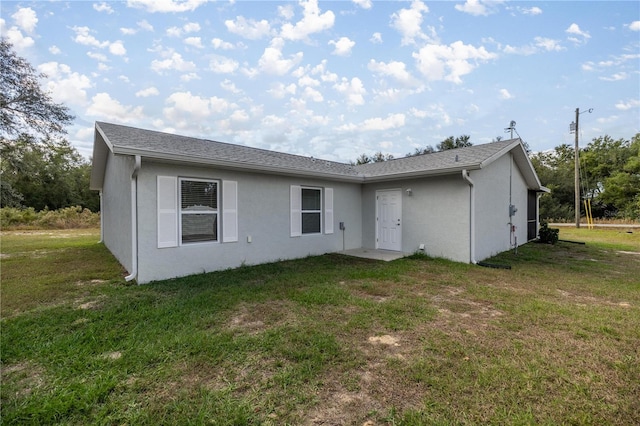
point(576, 176)
point(574, 127)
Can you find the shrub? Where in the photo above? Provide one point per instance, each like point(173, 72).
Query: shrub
point(66, 218)
point(548, 235)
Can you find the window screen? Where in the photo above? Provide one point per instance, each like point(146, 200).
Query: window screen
point(311, 210)
point(198, 210)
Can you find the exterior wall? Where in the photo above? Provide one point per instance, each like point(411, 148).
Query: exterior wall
point(263, 215)
point(116, 208)
point(496, 186)
point(436, 215)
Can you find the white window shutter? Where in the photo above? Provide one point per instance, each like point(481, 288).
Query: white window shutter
point(167, 211)
point(328, 210)
point(296, 211)
point(229, 211)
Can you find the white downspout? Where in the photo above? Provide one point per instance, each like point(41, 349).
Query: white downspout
point(472, 216)
point(101, 220)
point(134, 220)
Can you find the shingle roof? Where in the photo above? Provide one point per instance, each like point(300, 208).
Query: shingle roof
point(174, 148)
point(470, 158)
point(152, 144)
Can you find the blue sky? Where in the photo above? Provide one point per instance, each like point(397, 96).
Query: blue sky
point(336, 79)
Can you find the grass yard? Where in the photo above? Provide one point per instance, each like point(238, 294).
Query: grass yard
point(325, 340)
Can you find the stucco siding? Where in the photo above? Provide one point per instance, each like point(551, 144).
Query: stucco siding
point(263, 205)
point(497, 186)
point(116, 208)
point(436, 214)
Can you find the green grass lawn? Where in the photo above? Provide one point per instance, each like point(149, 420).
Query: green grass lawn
point(323, 340)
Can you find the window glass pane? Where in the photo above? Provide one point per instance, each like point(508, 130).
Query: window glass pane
point(197, 195)
point(199, 227)
point(310, 199)
point(310, 223)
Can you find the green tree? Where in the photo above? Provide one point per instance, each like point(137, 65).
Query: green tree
point(451, 143)
point(621, 188)
point(24, 107)
point(49, 173)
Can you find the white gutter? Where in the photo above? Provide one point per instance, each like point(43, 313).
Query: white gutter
point(134, 220)
point(472, 216)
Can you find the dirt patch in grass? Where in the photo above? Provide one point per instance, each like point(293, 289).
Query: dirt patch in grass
point(582, 300)
point(254, 318)
point(24, 378)
point(93, 304)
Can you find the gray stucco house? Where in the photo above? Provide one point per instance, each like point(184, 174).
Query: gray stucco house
point(174, 206)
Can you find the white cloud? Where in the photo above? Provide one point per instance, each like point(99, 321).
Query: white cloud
point(353, 90)
point(26, 19)
point(272, 61)
point(279, 90)
point(145, 25)
point(189, 76)
point(395, 69)
point(631, 103)
point(174, 32)
point(376, 38)
point(408, 22)
point(343, 46)
point(548, 44)
point(482, 7)
point(312, 22)
point(194, 41)
point(222, 65)
point(504, 94)
point(15, 37)
point(286, 11)
point(182, 105)
point(55, 50)
point(365, 4)
point(105, 107)
point(65, 85)
point(98, 56)
point(84, 37)
point(149, 91)
point(103, 7)
point(230, 86)
point(191, 27)
point(117, 48)
point(393, 121)
point(248, 28)
point(442, 62)
point(221, 44)
point(312, 94)
point(616, 77)
point(128, 31)
point(634, 26)
point(532, 11)
point(174, 62)
point(164, 6)
point(576, 34)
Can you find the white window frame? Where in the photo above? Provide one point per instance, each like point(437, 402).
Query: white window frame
point(315, 211)
point(215, 212)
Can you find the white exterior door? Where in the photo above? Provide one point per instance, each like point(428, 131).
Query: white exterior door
point(389, 220)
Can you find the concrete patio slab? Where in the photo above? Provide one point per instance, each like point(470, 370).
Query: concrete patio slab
point(384, 255)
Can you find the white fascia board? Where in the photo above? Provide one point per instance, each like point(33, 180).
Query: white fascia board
point(419, 173)
point(231, 165)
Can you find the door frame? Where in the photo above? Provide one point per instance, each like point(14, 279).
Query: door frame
point(377, 222)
